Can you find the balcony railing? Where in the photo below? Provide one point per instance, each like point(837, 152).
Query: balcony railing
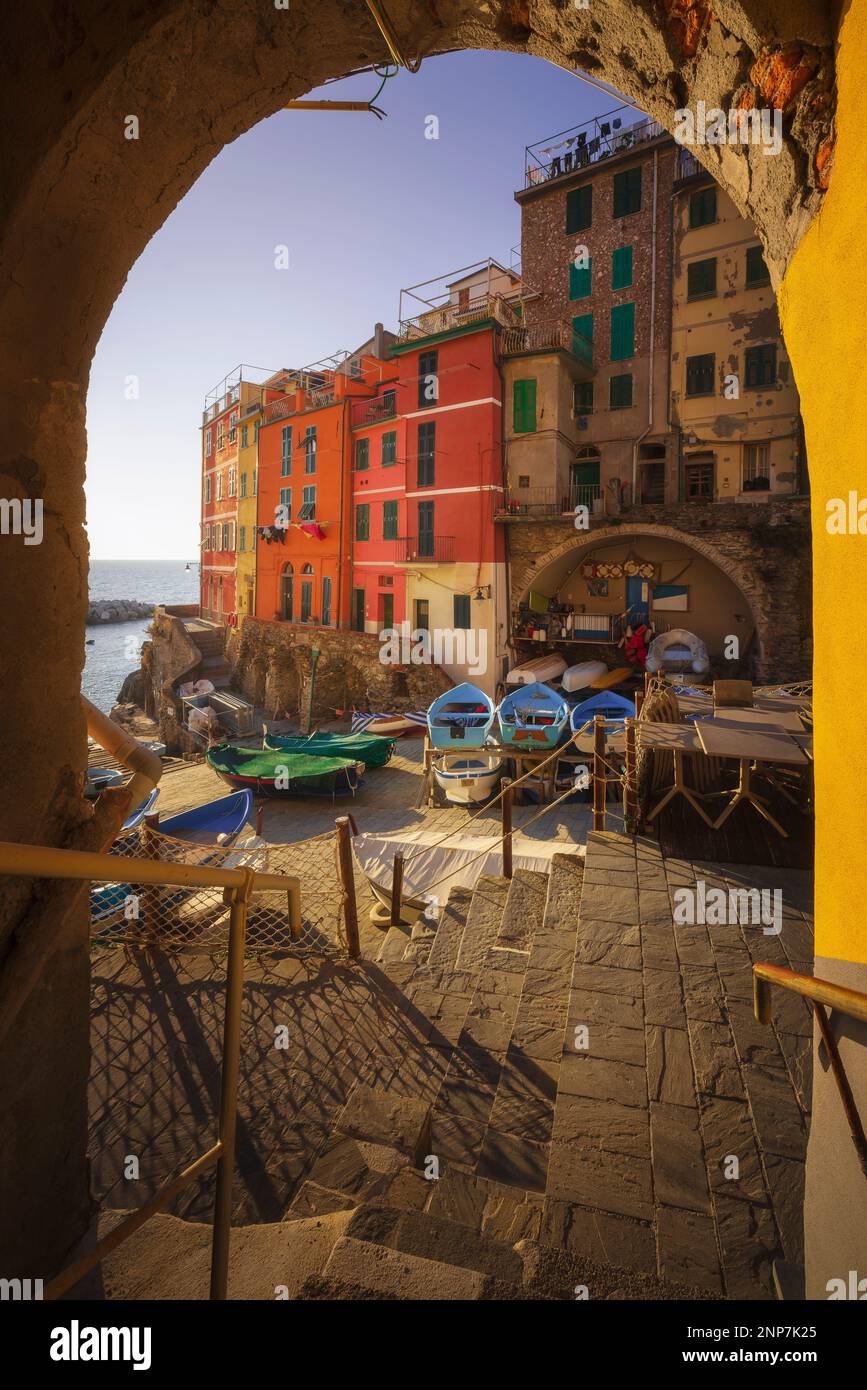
point(424, 550)
point(687, 165)
point(373, 412)
point(546, 337)
point(457, 314)
point(587, 144)
point(547, 501)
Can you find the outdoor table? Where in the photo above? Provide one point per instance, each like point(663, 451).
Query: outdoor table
point(722, 740)
point(774, 720)
point(680, 740)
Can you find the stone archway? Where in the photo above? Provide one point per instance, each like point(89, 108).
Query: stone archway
point(81, 201)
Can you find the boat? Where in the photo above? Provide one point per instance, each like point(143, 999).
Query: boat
point(98, 778)
point(539, 668)
point(461, 718)
point(392, 725)
point(615, 677)
point(212, 823)
point(613, 708)
point(135, 818)
point(583, 674)
point(371, 749)
point(468, 779)
point(677, 650)
point(534, 716)
point(274, 772)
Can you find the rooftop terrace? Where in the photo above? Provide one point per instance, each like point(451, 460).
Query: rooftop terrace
point(582, 146)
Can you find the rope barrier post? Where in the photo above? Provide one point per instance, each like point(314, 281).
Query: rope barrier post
point(639, 701)
point(631, 807)
point(599, 775)
point(647, 682)
point(347, 883)
point(150, 896)
point(507, 826)
point(396, 888)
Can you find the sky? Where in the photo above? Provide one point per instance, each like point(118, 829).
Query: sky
point(364, 207)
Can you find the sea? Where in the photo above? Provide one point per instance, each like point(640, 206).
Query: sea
point(116, 647)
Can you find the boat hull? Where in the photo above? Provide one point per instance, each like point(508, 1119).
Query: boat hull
point(466, 781)
point(532, 718)
point(365, 748)
point(578, 677)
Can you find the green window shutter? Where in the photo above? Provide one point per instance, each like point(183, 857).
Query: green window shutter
point(389, 521)
point(462, 611)
point(622, 332)
point(627, 192)
point(579, 209)
point(362, 521)
point(581, 280)
point(582, 337)
point(584, 398)
point(702, 207)
point(701, 278)
point(389, 448)
point(757, 271)
point(524, 406)
point(362, 454)
point(621, 268)
point(620, 392)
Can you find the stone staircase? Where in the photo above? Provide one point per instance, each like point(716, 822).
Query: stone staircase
point(213, 666)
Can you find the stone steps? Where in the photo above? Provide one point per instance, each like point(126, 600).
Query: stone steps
point(524, 910)
point(483, 920)
point(450, 930)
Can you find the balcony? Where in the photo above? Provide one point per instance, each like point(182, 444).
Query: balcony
point(557, 336)
point(546, 501)
point(589, 144)
point(458, 314)
point(373, 412)
point(688, 166)
point(424, 550)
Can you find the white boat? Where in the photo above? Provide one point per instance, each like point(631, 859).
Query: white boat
point(391, 724)
point(540, 668)
point(583, 674)
point(468, 778)
point(444, 864)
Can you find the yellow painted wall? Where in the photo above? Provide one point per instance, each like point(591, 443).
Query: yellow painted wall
point(248, 459)
point(822, 307)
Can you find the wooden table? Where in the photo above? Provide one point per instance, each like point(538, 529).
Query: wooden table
point(776, 720)
point(748, 746)
point(681, 740)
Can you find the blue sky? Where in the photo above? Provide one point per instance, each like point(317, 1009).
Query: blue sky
point(365, 207)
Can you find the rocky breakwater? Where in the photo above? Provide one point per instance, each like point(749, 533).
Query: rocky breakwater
point(117, 610)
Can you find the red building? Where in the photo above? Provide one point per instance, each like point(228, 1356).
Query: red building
point(219, 504)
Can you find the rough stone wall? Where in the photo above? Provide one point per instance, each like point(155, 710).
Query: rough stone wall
point(765, 551)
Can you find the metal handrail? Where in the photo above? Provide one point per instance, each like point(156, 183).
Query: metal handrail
point(821, 994)
point(41, 861)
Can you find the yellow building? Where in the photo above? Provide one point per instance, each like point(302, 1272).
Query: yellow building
point(248, 469)
point(733, 392)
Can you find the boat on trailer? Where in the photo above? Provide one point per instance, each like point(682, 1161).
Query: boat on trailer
point(371, 749)
point(461, 718)
point(275, 773)
point(613, 708)
point(466, 779)
point(533, 717)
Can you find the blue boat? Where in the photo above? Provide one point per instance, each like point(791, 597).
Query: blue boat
point(204, 824)
point(533, 716)
point(613, 708)
point(135, 818)
point(461, 718)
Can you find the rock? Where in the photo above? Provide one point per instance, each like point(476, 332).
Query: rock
point(132, 692)
point(117, 611)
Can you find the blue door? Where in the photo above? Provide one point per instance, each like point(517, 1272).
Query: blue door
point(637, 600)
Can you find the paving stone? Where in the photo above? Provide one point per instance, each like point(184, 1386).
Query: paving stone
point(483, 921)
point(703, 993)
point(663, 1000)
point(546, 984)
point(585, 1122)
point(343, 1167)
point(488, 1025)
point(687, 1248)
point(727, 1130)
point(791, 1014)
point(693, 946)
point(515, 1161)
point(716, 1064)
point(596, 1235)
point(658, 948)
point(679, 1178)
point(595, 873)
point(755, 1042)
point(669, 1066)
point(552, 960)
point(312, 1199)
point(524, 1104)
point(798, 1052)
point(462, 1096)
point(736, 975)
point(433, 1238)
point(607, 979)
point(375, 1267)
point(538, 1028)
point(564, 892)
point(504, 970)
point(450, 928)
point(595, 1006)
point(594, 1177)
point(608, 1040)
point(599, 1078)
point(608, 943)
point(654, 907)
point(524, 910)
point(455, 1138)
point(448, 1018)
point(394, 944)
point(609, 903)
point(786, 1182)
point(459, 1196)
point(406, 1190)
point(513, 1217)
point(749, 1243)
point(776, 1113)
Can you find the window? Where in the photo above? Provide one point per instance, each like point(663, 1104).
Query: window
point(428, 381)
point(245, 436)
point(231, 482)
point(757, 462)
point(308, 504)
point(252, 538)
point(233, 420)
point(362, 521)
point(620, 392)
point(209, 442)
point(255, 431)
point(462, 611)
point(306, 599)
point(421, 614)
point(701, 278)
point(389, 403)
point(702, 207)
point(286, 501)
point(310, 449)
point(389, 521)
point(208, 488)
point(622, 332)
point(579, 209)
point(358, 610)
point(757, 271)
point(581, 280)
point(582, 398)
point(389, 448)
point(761, 365)
point(362, 454)
point(219, 487)
point(700, 374)
point(225, 545)
point(621, 268)
point(698, 477)
point(243, 484)
point(386, 612)
point(221, 438)
point(523, 480)
point(524, 406)
point(242, 538)
point(627, 192)
point(255, 480)
point(286, 448)
point(326, 600)
point(426, 529)
point(426, 454)
point(582, 337)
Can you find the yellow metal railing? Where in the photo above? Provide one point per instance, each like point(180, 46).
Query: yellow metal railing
point(822, 994)
point(37, 861)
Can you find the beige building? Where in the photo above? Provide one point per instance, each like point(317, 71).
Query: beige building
point(733, 393)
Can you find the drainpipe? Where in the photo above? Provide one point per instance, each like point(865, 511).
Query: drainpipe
point(346, 452)
point(146, 767)
point(646, 431)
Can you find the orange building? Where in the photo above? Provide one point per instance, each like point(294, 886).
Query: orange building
point(303, 548)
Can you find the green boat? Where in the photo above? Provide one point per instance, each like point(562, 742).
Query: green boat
point(277, 772)
point(370, 749)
